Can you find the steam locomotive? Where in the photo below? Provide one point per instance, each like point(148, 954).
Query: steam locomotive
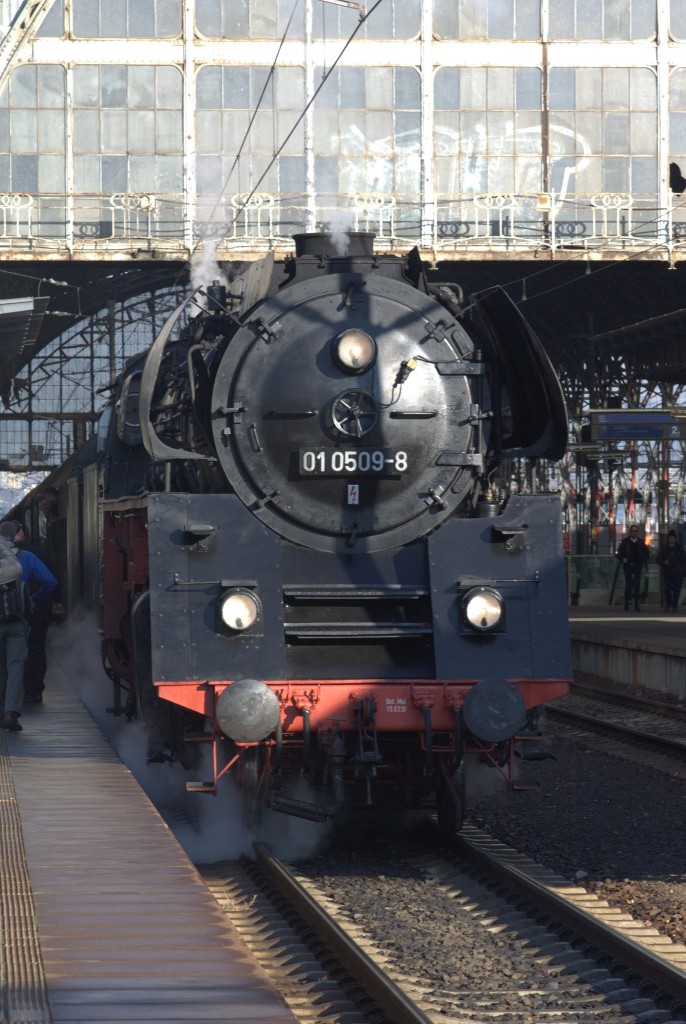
point(311, 562)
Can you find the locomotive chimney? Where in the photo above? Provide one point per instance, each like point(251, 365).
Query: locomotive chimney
point(216, 297)
point(339, 244)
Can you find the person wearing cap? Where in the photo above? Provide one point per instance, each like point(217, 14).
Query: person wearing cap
point(633, 554)
point(672, 561)
point(42, 584)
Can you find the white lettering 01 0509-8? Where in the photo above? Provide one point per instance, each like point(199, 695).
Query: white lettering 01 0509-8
point(365, 461)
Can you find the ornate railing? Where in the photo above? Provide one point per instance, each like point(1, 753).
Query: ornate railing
point(16, 215)
point(484, 223)
point(133, 215)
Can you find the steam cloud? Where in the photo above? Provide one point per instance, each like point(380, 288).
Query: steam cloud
point(340, 225)
point(209, 828)
point(204, 266)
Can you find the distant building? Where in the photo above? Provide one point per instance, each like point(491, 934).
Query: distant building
point(140, 125)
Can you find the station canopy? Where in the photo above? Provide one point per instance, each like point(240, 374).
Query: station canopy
point(625, 306)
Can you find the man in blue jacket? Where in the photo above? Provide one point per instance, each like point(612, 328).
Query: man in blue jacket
point(42, 584)
point(41, 616)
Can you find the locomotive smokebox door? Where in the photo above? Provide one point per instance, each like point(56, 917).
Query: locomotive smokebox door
point(351, 413)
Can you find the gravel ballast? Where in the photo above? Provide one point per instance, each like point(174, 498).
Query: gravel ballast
point(615, 826)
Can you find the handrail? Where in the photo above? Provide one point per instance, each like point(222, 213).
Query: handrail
point(598, 225)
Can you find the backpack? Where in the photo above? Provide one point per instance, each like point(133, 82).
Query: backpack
point(15, 601)
point(10, 566)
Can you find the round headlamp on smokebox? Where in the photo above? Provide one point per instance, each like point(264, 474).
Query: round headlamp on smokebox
point(239, 609)
point(354, 351)
point(483, 609)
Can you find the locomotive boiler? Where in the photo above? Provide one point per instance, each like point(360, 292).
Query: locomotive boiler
point(312, 562)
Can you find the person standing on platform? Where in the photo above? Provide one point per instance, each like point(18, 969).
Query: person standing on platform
point(47, 510)
point(42, 615)
point(42, 585)
point(672, 560)
point(14, 612)
point(633, 554)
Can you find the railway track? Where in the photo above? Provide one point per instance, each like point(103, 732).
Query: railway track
point(650, 723)
point(642, 950)
point(323, 974)
point(576, 957)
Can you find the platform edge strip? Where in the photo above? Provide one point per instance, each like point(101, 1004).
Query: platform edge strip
point(23, 995)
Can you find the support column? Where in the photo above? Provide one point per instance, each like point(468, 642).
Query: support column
point(188, 116)
point(664, 227)
point(428, 197)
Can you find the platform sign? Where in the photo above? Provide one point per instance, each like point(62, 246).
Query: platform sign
point(636, 425)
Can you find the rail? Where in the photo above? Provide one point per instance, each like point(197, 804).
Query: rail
point(623, 717)
point(394, 1002)
point(515, 871)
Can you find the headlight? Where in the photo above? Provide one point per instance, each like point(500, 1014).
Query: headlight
point(354, 351)
point(239, 609)
point(483, 609)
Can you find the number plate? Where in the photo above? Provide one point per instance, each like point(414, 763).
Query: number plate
point(353, 462)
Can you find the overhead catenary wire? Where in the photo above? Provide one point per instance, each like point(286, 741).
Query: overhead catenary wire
point(523, 281)
point(578, 255)
point(362, 19)
point(608, 265)
point(325, 77)
point(268, 79)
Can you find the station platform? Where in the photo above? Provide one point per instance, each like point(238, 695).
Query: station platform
point(644, 649)
point(103, 917)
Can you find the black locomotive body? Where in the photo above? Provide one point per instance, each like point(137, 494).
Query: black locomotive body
point(312, 562)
